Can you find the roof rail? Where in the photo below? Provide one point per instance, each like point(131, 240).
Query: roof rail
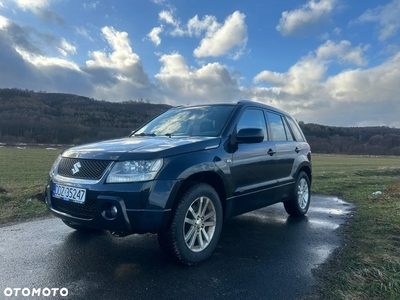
point(245, 101)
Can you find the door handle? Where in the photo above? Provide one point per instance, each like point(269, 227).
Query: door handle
point(297, 150)
point(271, 152)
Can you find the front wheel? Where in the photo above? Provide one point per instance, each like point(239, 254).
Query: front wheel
point(195, 227)
point(299, 204)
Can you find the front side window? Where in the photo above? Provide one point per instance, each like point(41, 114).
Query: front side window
point(189, 121)
point(252, 118)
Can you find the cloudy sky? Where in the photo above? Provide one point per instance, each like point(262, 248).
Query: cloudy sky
point(333, 62)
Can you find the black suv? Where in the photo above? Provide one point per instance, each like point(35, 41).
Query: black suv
point(181, 174)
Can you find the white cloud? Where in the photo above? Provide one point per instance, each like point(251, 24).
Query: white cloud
point(325, 36)
point(229, 38)
point(386, 16)
point(91, 5)
point(118, 74)
point(167, 17)
point(121, 58)
point(22, 43)
point(391, 49)
point(337, 31)
point(310, 14)
point(301, 78)
point(41, 8)
point(374, 85)
point(154, 35)
point(84, 32)
point(158, 1)
point(114, 76)
point(3, 22)
point(207, 24)
point(67, 46)
point(1, 4)
point(44, 61)
point(343, 51)
point(355, 97)
point(183, 84)
point(305, 76)
point(220, 40)
point(32, 4)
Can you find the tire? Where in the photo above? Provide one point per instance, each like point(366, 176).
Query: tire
point(195, 226)
point(299, 204)
point(79, 227)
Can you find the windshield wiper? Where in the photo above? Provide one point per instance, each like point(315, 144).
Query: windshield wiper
point(145, 134)
point(168, 134)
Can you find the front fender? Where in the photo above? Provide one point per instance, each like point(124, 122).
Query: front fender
point(181, 167)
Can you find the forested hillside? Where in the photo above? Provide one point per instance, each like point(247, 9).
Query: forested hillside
point(53, 118)
point(39, 117)
point(353, 140)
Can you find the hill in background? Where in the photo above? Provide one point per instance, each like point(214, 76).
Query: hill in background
point(55, 118)
point(352, 140)
point(39, 117)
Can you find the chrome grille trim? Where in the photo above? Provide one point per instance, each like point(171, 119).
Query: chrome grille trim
point(62, 179)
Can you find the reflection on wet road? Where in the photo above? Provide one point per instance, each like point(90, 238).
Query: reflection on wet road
point(261, 255)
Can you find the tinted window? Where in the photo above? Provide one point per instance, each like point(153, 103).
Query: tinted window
point(296, 130)
point(288, 133)
point(276, 126)
point(252, 118)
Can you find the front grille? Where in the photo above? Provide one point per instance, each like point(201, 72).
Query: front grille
point(84, 211)
point(83, 168)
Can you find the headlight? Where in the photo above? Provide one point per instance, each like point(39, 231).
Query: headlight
point(135, 170)
point(54, 166)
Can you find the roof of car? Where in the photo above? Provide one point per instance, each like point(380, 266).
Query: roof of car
point(239, 103)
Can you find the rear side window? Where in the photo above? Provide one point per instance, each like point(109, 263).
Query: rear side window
point(295, 129)
point(276, 126)
point(252, 118)
point(289, 135)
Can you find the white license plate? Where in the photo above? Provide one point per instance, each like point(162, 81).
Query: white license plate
point(69, 193)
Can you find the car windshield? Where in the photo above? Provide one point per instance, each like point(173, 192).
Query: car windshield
point(188, 121)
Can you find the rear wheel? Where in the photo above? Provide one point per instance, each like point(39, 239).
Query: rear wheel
point(80, 227)
point(195, 227)
point(299, 204)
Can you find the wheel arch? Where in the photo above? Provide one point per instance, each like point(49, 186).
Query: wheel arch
point(208, 177)
point(306, 169)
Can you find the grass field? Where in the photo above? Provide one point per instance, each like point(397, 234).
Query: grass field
point(23, 176)
point(367, 267)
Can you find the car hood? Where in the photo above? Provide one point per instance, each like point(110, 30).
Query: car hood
point(141, 148)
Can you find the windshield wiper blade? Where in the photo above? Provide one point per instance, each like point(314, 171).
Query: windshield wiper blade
point(168, 134)
point(145, 134)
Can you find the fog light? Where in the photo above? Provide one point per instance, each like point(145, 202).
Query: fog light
point(110, 212)
point(113, 211)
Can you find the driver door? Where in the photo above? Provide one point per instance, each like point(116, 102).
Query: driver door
point(253, 167)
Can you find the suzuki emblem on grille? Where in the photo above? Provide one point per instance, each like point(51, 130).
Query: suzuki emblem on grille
point(76, 168)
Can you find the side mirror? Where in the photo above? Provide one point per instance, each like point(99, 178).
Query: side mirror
point(250, 135)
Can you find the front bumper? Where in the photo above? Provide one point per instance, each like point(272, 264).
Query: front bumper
point(141, 207)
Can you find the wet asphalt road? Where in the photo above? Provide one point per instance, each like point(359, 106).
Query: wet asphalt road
point(261, 255)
